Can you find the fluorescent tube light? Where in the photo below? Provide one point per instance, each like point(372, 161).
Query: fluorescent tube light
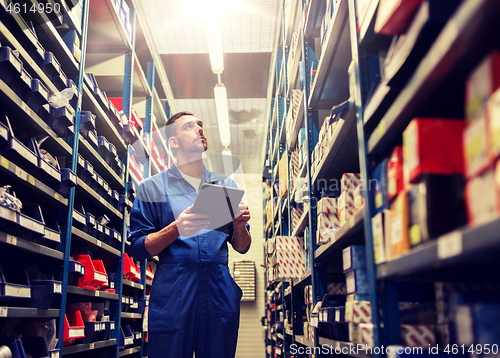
point(215, 49)
point(222, 114)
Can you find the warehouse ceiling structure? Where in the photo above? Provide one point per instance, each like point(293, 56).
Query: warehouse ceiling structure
point(248, 30)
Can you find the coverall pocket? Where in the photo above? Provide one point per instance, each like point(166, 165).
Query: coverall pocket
point(165, 300)
point(230, 293)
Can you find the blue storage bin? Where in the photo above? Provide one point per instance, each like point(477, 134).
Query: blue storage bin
point(115, 197)
point(87, 122)
point(78, 219)
point(61, 119)
point(17, 152)
point(68, 181)
point(128, 135)
point(98, 230)
point(94, 332)
point(71, 37)
point(60, 81)
point(92, 138)
point(75, 271)
point(45, 293)
point(50, 65)
point(38, 98)
point(89, 223)
point(14, 282)
point(10, 65)
point(110, 326)
point(22, 85)
point(126, 336)
point(37, 348)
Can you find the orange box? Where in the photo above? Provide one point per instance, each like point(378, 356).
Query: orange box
point(399, 226)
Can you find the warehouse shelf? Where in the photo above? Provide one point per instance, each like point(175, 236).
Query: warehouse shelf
point(100, 165)
point(133, 284)
point(90, 193)
point(366, 33)
point(91, 293)
point(331, 84)
point(295, 15)
point(131, 315)
point(346, 347)
point(282, 134)
point(77, 348)
point(142, 76)
point(451, 50)
point(315, 11)
point(343, 237)
point(149, 283)
point(129, 351)
point(274, 120)
point(304, 341)
point(103, 123)
point(158, 135)
point(303, 222)
point(31, 122)
point(303, 280)
point(106, 32)
point(341, 155)
point(446, 256)
point(24, 312)
point(94, 243)
point(289, 332)
point(34, 188)
point(30, 246)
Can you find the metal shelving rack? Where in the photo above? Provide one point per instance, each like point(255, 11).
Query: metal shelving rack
point(370, 131)
point(95, 15)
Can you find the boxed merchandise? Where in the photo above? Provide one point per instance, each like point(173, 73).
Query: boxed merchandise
point(327, 206)
point(346, 200)
point(365, 334)
point(395, 173)
point(349, 181)
point(358, 312)
point(394, 17)
point(354, 257)
point(359, 201)
point(476, 156)
point(432, 146)
point(399, 242)
point(328, 221)
point(353, 332)
point(380, 223)
point(493, 118)
point(477, 323)
point(482, 204)
point(379, 186)
point(292, 243)
point(357, 281)
point(283, 172)
point(436, 206)
point(336, 288)
point(345, 215)
point(353, 297)
point(482, 82)
point(418, 336)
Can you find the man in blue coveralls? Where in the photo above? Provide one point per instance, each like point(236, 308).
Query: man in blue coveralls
point(194, 304)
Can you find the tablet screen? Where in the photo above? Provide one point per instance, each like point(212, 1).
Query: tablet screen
point(219, 202)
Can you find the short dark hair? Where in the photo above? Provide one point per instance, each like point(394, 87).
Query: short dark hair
point(169, 128)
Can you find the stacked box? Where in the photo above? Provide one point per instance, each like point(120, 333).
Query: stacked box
point(357, 282)
point(327, 206)
point(476, 154)
point(482, 206)
point(398, 233)
point(380, 231)
point(296, 98)
point(354, 258)
point(336, 288)
point(358, 312)
point(289, 243)
point(418, 336)
point(350, 181)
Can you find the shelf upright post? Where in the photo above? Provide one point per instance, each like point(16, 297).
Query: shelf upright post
point(128, 86)
point(312, 135)
point(365, 74)
point(66, 246)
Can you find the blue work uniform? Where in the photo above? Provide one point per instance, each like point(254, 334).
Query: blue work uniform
point(194, 304)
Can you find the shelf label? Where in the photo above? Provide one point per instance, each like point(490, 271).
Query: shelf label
point(57, 288)
point(4, 162)
point(91, 346)
point(98, 242)
point(352, 221)
point(97, 293)
point(31, 179)
point(56, 196)
point(54, 354)
point(20, 173)
point(4, 311)
point(449, 245)
point(25, 107)
point(11, 240)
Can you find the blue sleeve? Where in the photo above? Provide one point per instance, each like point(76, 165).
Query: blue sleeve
point(141, 223)
point(230, 237)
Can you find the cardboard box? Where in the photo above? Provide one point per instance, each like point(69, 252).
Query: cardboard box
point(380, 231)
point(432, 146)
point(336, 288)
point(284, 243)
point(481, 203)
point(394, 16)
point(345, 215)
point(327, 206)
point(436, 207)
point(365, 334)
point(328, 221)
point(399, 242)
point(476, 154)
point(357, 281)
point(379, 186)
point(493, 118)
point(283, 176)
point(395, 175)
point(482, 82)
point(354, 257)
point(359, 201)
point(418, 336)
point(358, 312)
point(349, 181)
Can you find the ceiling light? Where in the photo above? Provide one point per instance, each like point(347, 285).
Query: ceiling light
point(215, 49)
point(222, 114)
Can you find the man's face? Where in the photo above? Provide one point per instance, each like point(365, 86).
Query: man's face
point(189, 137)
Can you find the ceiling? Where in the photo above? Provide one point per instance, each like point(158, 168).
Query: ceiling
point(248, 32)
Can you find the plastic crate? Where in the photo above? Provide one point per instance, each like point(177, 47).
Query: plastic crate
point(94, 332)
point(110, 326)
point(61, 119)
point(50, 65)
point(37, 348)
point(74, 327)
point(14, 282)
point(10, 65)
point(89, 223)
point(130, 271)
point(17, 152)
point(60, 81)
point(78, 219)
point(87, 122)
point(149, 273)
point(75, 271)
point(38, 98)
point(126, 336)
point(45, 293)
point(22, 85)
point(95, 274)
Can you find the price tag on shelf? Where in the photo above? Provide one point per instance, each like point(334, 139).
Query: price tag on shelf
point(4, 162)
point(91, 346)
point(98, 242)
point(352, 221)
point(83, 185)
point(4, 311)
point(97, 293)
point(450, 245)
point(11, 240)
point(20, 173)
point(56, 196)
point(25, 107)
point(31, 179)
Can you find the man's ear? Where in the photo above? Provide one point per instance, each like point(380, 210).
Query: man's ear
point(173, 142)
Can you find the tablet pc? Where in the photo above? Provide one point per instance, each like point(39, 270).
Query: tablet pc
point(219, 202)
